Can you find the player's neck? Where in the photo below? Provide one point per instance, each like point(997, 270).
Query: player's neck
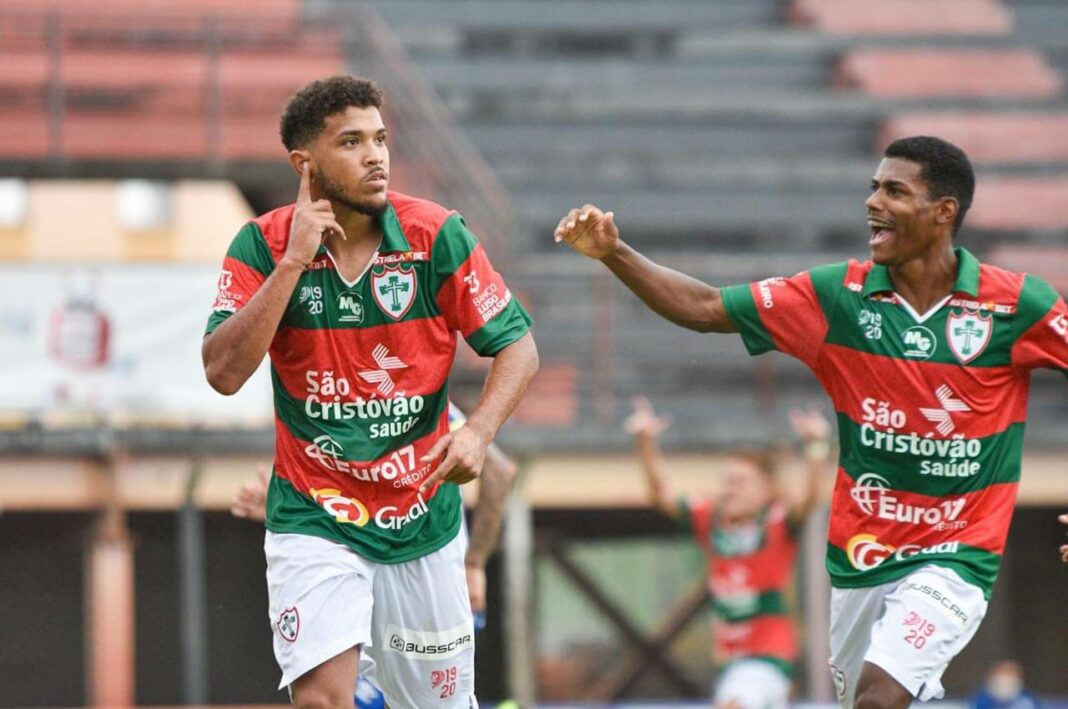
point(926, 280)
point(360, 230)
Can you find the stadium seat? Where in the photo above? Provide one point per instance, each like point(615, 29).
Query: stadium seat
point(889, 73)
point(989, 137)
point(1020, 203)
point(903, 17)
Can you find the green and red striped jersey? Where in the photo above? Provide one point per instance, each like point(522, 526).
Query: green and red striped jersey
point(750, 568)
point(931, 407)
point(360, 374)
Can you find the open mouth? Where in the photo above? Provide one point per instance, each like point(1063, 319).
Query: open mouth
point(376, 178)
point(881, 230)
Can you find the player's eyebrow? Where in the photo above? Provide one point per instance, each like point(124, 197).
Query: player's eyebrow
point(360, 133)
point(889, 183)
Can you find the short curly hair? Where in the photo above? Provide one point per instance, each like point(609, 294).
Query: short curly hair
point(306, 113)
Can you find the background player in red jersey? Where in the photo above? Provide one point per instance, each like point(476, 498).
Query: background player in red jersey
point(926, 354)
point(749, 534)
point(357, 293)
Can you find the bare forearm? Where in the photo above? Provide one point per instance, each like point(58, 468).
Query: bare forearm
point(652, 463)
point(495, 484)
point(675, 296)
point(235, 349)
point(511, 372)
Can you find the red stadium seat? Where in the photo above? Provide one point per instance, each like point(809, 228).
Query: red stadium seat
point(921, 73)
point(989, 137)
point(895, 17)
point(24, 134)
point(1020, 203)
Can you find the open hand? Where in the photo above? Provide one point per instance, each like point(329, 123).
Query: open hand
point(644, 421)
point(589, 231)
point(250, 502)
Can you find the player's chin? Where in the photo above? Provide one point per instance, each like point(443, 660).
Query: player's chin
point(372, 205)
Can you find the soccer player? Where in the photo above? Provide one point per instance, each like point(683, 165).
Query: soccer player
point(926, 354)
point(356, 293)
point(749, 535)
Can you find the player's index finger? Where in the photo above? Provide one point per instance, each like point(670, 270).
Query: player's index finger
point(304, 191)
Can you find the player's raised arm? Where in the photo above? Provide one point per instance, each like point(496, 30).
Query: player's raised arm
point(814, 430)
point(673, 295)
point(646, 428)
point(234, 350)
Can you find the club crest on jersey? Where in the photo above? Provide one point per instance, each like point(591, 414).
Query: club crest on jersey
point(288, 624)
point(394, 290)
point(968, 334)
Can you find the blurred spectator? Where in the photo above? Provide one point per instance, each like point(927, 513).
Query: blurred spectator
point(1004, 689)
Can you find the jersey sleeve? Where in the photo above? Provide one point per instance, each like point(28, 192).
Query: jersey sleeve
point(695, 516)
point(1043, 324)
point(246, 266)
point(784, 314)
point(470, 294)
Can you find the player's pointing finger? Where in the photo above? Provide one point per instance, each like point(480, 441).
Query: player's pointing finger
point(304, 191)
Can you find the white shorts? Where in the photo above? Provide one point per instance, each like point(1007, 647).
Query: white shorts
point(412, 621)
point(753, 684)
point(911, 628)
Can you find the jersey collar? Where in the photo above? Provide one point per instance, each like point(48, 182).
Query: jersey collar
point(878, 279)
point(392, 235)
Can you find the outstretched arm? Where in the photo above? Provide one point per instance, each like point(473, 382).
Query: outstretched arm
point(815, 433)
point(675, 296)
point(495, 484)
point(646, 428)
point(465, 448)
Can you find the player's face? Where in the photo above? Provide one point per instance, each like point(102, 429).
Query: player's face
point(746, 489)
point(350, 160)
point(903, 218)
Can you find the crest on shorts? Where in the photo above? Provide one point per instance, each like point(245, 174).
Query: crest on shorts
point(288, 624)
point(968, 334)
point(394, 290)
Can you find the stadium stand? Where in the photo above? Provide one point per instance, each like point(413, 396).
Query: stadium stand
point(736, 140)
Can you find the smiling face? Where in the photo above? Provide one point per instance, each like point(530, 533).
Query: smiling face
point(349, 160)
point(906, 222)
point(746, 489)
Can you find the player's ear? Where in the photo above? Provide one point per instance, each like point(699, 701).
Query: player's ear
point(297, 158)
point(947, 210)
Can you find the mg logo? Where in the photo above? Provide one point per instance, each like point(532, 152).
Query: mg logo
point(350, 307)
point(919, 342)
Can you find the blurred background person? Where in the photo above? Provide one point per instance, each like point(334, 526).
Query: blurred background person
point(749, 533)
point(1004, 689)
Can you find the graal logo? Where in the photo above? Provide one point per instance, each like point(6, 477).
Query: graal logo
point(919, 342)
point(350, 305)
point(949, 401)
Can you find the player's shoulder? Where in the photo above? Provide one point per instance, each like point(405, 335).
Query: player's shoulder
point(273, 227)
point(1022, 292)
point(420, 219)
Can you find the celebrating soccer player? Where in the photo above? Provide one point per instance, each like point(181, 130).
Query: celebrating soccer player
point(926, 354)
point(749, 535)
point(356, 293)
